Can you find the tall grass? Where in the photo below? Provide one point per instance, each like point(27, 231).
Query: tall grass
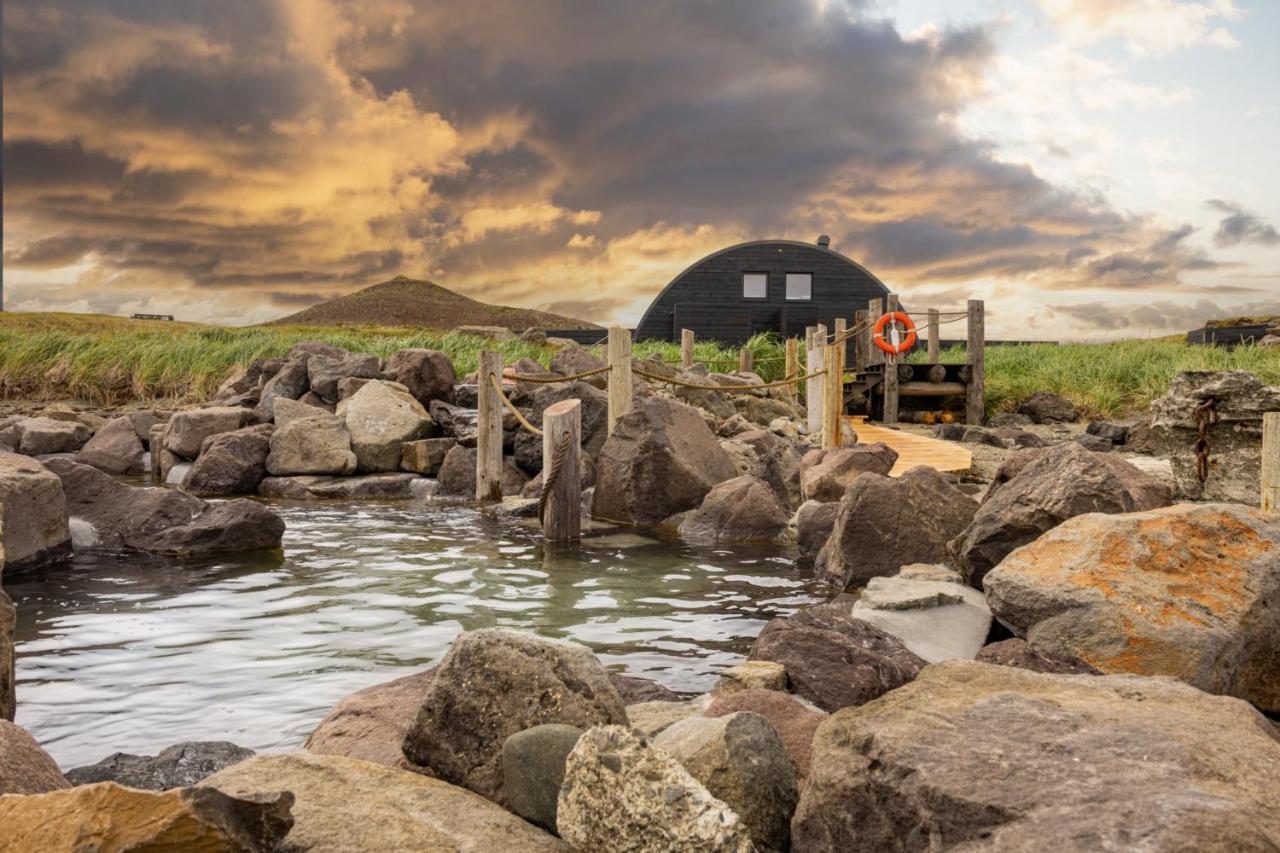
point(109, 361)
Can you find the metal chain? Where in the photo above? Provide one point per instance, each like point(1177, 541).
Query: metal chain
point(1205, 414)
point(550, 473)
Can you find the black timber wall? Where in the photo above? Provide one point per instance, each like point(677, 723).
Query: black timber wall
point(707, 297)
point(1227, 336)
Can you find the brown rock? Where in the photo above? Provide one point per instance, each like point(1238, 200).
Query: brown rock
point(8, 618)
point(36, 530)
point(25, 768)
point(825, 475)
point(370, 724)
point(1019, 654)
point(794, 722)
point(115, 448)
point(743, 509)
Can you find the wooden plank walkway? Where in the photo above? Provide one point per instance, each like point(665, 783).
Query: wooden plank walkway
point(914, 449)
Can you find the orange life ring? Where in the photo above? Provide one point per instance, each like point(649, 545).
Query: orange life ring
point(907, 343)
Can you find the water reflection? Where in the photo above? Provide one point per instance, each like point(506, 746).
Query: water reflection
point(135, 653)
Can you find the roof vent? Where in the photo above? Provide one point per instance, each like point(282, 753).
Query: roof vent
point(824, 241)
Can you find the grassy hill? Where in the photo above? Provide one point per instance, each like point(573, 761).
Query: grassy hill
point(409, 302)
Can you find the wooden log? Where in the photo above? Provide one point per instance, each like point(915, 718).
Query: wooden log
point(976, 357)
point(489, 436)
point(937, 373)
point(862, 340)
point(619, 360)
point(966, 373)
point(562, 426)
point(686, 349)
point(813, 393)
point(935, 345)
point(905, 373)
point(891, 375)
point(1271, 462)
point(792, 367)
point(746, 360)
point(832, 395)
point(932, 389)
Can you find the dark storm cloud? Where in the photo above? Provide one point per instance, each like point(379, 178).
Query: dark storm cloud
point(1241, 226)
point(1160, 316)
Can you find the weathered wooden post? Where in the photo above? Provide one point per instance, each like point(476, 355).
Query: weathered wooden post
point(935, 346)
point(875, 307)
point(976, 357)
point(891, 373)
point(686, 349)
point(833, 395)
point(814, 350)
point(561, 452)
point(489, 437)
point(792, 368)
point(1271, 462)
point(862, 340)
point(619, 358)
point(746, 360)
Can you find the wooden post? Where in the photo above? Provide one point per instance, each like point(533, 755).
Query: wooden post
point(792, 367)
point(842, 326)
point(935, 345)
point(619, 374)
point(1271, 462)
point(891, 373)
point(686, 349)
point(746, 360)
point(813, 387)
point(862, 340)
point(833, 395)
point(976, 358)
point(562, 520)
point(875, 307)
point(489, 437)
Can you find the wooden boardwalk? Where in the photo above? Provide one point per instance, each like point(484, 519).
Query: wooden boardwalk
point(914, 449)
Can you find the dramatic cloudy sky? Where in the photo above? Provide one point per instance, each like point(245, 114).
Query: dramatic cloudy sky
point(1094, 167)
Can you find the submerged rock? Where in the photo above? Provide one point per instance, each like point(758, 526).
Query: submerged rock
point(971, 756)
point(25, 768)
point(34, 508)
point(178, 766)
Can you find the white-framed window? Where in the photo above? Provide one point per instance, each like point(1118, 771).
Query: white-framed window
point(799, 285)
point(755, 285)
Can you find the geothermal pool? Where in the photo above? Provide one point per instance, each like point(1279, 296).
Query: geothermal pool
point(135, 653)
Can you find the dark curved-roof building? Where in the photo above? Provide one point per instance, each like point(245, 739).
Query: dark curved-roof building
point(777, 286)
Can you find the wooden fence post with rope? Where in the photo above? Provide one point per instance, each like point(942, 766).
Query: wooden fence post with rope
point(619, 358)
point(975, 357)
point(813, 392)
point(935, 345)
point(862, 321)
point(746, 360)
point(489, 436)
point(792, 367)
point(686, 349)
point(891, 373)
point(833, 394)
point(560, 502)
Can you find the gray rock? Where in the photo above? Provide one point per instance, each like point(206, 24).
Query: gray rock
point(494, 683)
point(834, 660)
point(455, 422)
point(661, 459)
point(380, 418)
point(1013, 437)
point(938, 620)
point(651, 717)
point(230, 463)
point(1049, 487)
point(387, 486)
point(1095, 443)
point(1009, 419)
point(743, 509)
point(595, 410)
point(792, 719)
point(290, 383)
point(1045, 408)
point(573, 360)
point(40, 436)
point(8, 619)
point(164, 521)
point(1018, 653)
point(1186, 591)
point(814, 522)
point(313, 445)
point(825, 475)
point(887, 523)
point(624, 796)
point(428, 374)
point(284, 411)
point(977, 757)
point(25, 768)
point(326, 371)
point(1114, 433)
point(34, 510)
point(457, 475)
point(741, 761)
point(633, 689)
point(178, 766)
point(533, 770)
point(426, 455)
point(116, 448)
point(969, 434)
point(188, 430)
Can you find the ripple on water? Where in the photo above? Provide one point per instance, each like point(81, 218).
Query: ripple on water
point(135, 653)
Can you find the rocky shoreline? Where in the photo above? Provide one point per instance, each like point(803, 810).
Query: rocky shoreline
point(1075, 646)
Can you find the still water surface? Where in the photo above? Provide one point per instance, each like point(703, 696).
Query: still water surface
point(135, 653)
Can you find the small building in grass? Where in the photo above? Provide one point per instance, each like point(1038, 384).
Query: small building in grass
point(779, 286)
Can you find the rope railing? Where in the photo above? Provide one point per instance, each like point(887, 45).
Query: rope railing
point(524, 422)
point(551, 380)
point(671, 380)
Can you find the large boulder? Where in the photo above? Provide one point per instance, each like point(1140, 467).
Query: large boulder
point(427, 373)
point(494, 683)
point(533, 770)
point(381, 417)
point(792, 720)
point(284, 411)
point(743, 509)
point(164, 521)
point(426, 455)
point(661, 459)
point(930, 610)
point(116, 448)
point(1188, 591)
point(572, 360)
point(595, 417)
point(289, 383)
point(370, 724)
point(825, 475)
point(971, 756)
point(740, 759)
point(319, 444)
point(834, 660)
point(40, 436)
point(621, 794)
point(778, 463)
point(25, 768)
point(178, 766)
point(230, 463)
point(886, 523)
point(35, 530)
point(188, 430)
point(1049, 487)
point(814, 522)
point(325, 372)
point(107, 816)
point(8, 619)
point(457, 475)
point(1234, 438)
point(1046, 408)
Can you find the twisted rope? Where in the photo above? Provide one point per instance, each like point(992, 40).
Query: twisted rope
point(705, 387)
point(497, 386)
point(550, 474)
point(548, 380)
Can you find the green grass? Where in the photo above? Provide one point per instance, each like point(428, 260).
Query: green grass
point(108, 361)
